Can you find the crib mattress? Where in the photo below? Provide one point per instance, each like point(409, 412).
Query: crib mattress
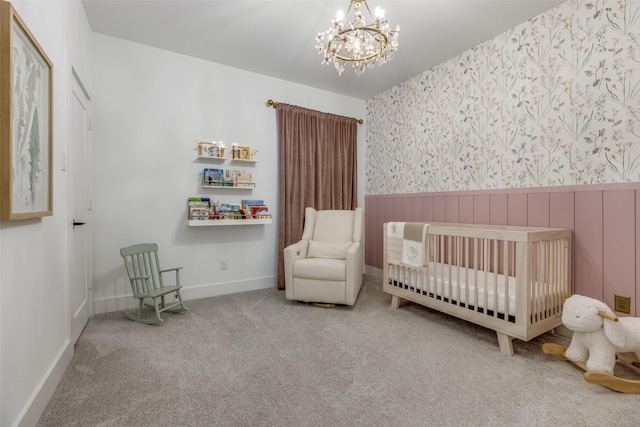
point(453, 283)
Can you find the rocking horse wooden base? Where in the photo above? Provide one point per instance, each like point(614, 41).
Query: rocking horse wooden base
point(601, 378)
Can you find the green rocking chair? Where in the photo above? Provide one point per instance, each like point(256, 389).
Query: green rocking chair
point(145, 276)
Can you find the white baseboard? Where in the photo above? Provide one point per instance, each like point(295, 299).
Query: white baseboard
point(373, 271)
point(40, 398)
point(563, 331)
point(106, 305)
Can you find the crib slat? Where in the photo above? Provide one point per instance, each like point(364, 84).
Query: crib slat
point(496, 261)
point(486, 255)
point(548, 283)
point(449, 260)
point(466, 271)
point(506, 279)
point(536, 275)
point(476, 268)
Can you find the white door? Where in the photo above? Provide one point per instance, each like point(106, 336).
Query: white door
point(78, 167)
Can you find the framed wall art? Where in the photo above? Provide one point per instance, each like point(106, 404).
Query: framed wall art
point(245, 153)
point(26, 121)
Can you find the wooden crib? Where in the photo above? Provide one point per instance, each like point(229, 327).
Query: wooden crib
point(510, 279)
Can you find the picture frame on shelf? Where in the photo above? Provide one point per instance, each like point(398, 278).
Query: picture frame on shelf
point(26, 125)
point(208, 149)
point(245, 153)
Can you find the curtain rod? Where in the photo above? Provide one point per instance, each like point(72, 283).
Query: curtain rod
point(274, 104)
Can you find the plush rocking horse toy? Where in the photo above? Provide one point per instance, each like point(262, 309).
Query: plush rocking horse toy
point(598, 337)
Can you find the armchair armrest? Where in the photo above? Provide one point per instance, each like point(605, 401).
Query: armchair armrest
point(166, 270)
point(297, 250)
point(170, 269)
point(291, 253)
point(355, 266)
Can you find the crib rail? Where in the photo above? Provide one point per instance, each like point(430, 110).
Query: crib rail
point(511, 279)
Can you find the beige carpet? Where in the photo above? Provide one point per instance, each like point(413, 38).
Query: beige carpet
point(256, 359)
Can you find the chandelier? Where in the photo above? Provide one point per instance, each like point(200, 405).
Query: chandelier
point(356, 42)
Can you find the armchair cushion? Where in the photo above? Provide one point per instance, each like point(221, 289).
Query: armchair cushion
point(321, 269)
point(337, 250)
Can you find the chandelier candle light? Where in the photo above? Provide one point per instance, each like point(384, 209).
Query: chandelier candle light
point(356, 42)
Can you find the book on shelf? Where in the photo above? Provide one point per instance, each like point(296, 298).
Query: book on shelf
point(213, 176)
point(199, 201)
point(199, 208)
point(230, 178)
point(244, 179)
point(260, 211)
point(246, 204)
point(228, 207)
point(199, 212)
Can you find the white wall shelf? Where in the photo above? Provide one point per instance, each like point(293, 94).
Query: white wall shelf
point(250, 185)
point(212, 159)
point(243, 161)
point(219, 222)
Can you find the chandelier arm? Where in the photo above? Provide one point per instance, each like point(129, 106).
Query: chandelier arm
point(369, 10)
point(373, 32)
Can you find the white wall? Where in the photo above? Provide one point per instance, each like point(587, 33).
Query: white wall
point(34, 318)
point(150, 107)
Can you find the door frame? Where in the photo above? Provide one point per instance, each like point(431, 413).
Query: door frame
point(76, 82)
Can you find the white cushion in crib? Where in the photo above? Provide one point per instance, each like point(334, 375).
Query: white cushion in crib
point(335, 250)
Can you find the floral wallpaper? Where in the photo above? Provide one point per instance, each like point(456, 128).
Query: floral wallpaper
point(554, 101)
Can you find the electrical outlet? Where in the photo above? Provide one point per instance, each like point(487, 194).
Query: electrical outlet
point(622, 304)
point(224, 264)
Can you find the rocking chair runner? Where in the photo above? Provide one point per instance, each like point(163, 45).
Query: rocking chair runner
point(145, 277)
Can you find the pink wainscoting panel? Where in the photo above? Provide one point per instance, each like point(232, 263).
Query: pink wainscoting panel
point(562, 215)
point(380, 214)
point(427, 208)
point(389, 203)
point(619, 241)
point(370, 219)
point(538, 210)
point(373, 214)
point(588, 277)
point(396, 209)
point(517, 209)
point(440, 209)
point(406, 209)
point(416, 209)
point(498, 209)
point(451, 211)
point(482, 209)
point(465, 209)
point(562, 210)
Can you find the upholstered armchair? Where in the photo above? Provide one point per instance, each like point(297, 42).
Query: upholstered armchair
point(325, 266)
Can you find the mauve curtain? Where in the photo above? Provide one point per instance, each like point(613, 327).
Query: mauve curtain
point(317, 168)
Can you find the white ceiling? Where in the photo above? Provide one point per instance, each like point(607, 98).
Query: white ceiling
point(277, 38)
